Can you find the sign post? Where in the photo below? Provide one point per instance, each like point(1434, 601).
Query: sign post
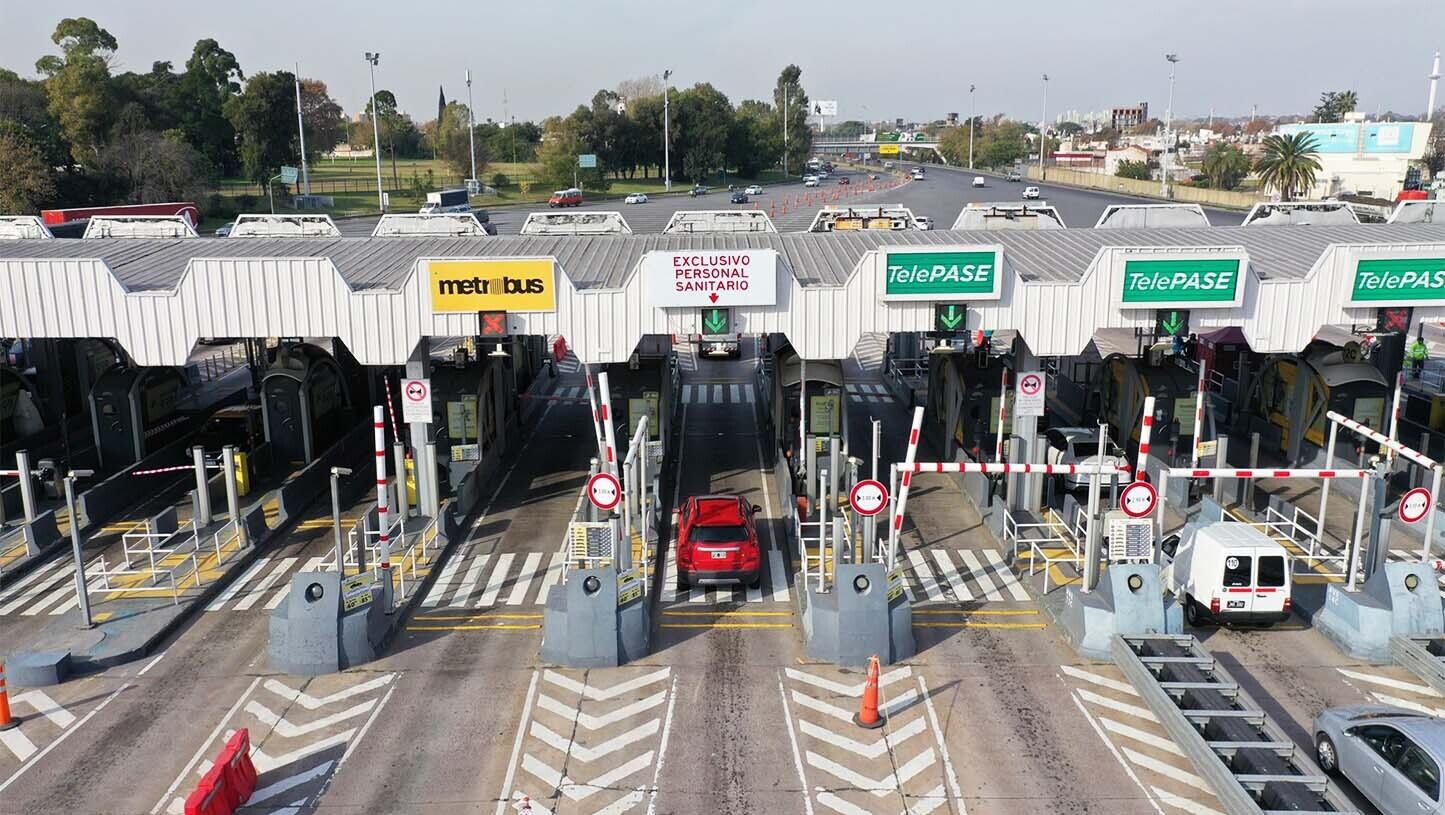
point(416, 401)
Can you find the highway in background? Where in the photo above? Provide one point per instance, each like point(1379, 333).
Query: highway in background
point(941, 196)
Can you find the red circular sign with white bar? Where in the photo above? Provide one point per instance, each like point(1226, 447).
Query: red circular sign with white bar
point(1415, 505)
point(1138, 499)
point(604, 491)
point(868, 497)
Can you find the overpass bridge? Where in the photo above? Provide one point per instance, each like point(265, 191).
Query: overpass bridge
point(903, 148)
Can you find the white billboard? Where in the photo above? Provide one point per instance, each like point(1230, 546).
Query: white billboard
point(728, 277)
point(825, 107)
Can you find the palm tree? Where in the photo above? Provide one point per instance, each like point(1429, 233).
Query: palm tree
point(1289, 163)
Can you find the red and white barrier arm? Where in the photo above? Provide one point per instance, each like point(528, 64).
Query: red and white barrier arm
point(1146, 430)
point(1198, 416)
point(907, 469)
point(1417, 457)
point(1188, 472)
point(157, 471)
point(1004, 468)
point(1002, 413)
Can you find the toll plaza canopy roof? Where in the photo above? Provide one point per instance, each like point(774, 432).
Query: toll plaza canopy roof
point(1056, 287)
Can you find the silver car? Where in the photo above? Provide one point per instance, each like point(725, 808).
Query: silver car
point(1080, 446)
point(1391, 755)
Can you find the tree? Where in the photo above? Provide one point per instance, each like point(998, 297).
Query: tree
point(212, 76)
point(1334, 105)
point(702, 120)
point(26, 182)
point(1070, 128)
point(452, 143)
point(516, 142)
point(1289, 163)
point(325, 126)
point(25, 111)
point(264, 117)
point(153, 95)
point(1225, 165)
point(788, 93)
point(151, 167)
point(1137, 170)
point(754, 143)
point(1257, 126)
point(558, 154)
point(850, 129)
point(640, 87)
point(78, 82)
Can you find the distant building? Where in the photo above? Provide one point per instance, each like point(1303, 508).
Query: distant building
point(951, 120)
point(1363, 158)
point(1122, 119)
point(1130, 153)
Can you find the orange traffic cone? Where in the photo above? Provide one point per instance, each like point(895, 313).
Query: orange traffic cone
point(868, 715)
point(6, 720)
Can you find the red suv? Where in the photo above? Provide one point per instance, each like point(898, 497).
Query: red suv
point(717, 542)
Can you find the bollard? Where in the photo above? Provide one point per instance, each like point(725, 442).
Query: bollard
point(203, 488)
point(27, 485)
point(233, 497)
point(7, 722)
point(399, 457)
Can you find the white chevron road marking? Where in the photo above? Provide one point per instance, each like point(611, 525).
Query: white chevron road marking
point(270, 791)
point(891, 739)
point(884, 680)
point(286, 729)
point(597, 722)
point(596, 694)
point(923, 804)
point(265, 763)
point(579, 792)
point(310, 702)
point(879, 787)
point(588, 754)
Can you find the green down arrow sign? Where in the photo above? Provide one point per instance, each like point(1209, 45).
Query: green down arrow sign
point(716, 320)
point(1174, 323)
point(949, 317)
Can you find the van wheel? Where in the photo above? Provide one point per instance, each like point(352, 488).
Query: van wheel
point(1191, 611)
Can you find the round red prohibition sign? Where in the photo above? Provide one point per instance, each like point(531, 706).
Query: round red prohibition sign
point(1031, 384)
point(416, 390)
point(1138, 499)
point(868, 497)
point(1415, 505)
point(604, 491)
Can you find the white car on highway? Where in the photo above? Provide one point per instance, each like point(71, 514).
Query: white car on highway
point(1031, 193)
point(810, 181)
point(636, 198)
point(978, 181)
point(922, 222)
point(754, 189)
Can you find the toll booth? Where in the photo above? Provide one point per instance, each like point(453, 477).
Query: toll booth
point(133, 413)
point(305, 402)
point(1291, 395)
point(790, 386)
point(964, 390)
point(475, 405)
point(1122, 386)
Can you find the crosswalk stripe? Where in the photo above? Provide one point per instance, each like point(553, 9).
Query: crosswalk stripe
point(778, 575)
point(254, 595)
point(281, 594)
point(469, 583)
point(925, 575)
point(235, 588)
point(950, 574)
point(55, 596)
point(494, 583)
point(669, 575)
point(1005, 575)
point(734, 392)
point(524, 579)
point(552, 577)
point(55, 575)
point(73, 602)
point(444, 580)
point(15, 588)
point(979, 574)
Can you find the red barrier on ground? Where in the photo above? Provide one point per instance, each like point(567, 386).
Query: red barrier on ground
point(240, 772)
point(212, 796)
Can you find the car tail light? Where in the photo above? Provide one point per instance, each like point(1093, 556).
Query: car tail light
point(1288, 604)
point(1214, 605)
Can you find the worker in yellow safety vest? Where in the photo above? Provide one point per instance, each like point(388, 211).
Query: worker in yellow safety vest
point(1416, 356)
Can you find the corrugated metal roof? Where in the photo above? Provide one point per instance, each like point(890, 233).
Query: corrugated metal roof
point(817, 259)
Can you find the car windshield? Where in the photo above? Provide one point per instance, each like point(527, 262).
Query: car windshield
point(718, 534)
point(1085, 449)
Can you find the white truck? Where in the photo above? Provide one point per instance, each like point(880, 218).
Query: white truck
point(1227, 572)
point(454, 200)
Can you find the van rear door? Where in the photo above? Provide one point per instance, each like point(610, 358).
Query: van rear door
point(1238, 583)
point(1271, 585)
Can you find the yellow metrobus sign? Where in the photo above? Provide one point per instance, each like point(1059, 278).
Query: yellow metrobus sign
point(512, 284)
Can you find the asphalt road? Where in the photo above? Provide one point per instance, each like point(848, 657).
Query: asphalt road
point(941, 196)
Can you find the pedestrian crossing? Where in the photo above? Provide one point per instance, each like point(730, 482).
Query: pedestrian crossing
point(720, 393)
point(959, 576)
point(772, 587)
point(48, 590)
point(477, 579)
point(872, 393)
point(265, 584)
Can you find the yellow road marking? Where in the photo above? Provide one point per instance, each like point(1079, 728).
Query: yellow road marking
point(725, 625)
point(727, 613)
point(978, 612)
point(497, 627)
point(968, 624)
point(101, 617)
point(483, 617)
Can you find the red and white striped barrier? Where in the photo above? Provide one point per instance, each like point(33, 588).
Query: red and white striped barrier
point(1002, 413)
point(1417, 457)
point(1198, 417)
point(604, 412)
point(176, 469)
point(378, 424)
point(907, 469)
point(10, 473)
point(1004, 468)
point(395, 431)
point(1191, 472)
point(1146, 430)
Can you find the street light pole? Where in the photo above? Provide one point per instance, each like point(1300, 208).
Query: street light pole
point(666, 136)
point(1043, 123)
point(80, 590)
point(301, 131)
point(786, 94)
point(371, 60)
point(471, 126)
point(1168, 128)
point(971, 114)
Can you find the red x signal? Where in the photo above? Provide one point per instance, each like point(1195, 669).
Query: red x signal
point(494, 323)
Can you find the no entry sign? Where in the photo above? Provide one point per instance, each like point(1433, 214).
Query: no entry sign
point(604, 491)
point(868, 497)
point(416, 401)
point(1029, 395)
point(1415, 505)
point(1138, 499)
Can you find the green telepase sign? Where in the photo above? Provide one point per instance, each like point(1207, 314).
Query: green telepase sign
point(1185, 282)
point(971, 274)
point(1399, 281)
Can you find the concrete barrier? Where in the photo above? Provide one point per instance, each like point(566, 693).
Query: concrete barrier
point(297, 492)
point(1227, 199)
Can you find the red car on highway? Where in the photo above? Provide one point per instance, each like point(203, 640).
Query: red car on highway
point(717, 542)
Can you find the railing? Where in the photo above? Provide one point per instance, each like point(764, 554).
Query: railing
point(130, 578)
point(217, 365)
point(817, 555)
point(415, 553)
point(1040, 548)
point(1299, 533)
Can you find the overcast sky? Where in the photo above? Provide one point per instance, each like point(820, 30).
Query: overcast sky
point(879, 60)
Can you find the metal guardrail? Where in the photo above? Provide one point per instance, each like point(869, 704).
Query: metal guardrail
point(1299, 534)
point(1243, 755)
point(1422, 656)
point(1056, 533)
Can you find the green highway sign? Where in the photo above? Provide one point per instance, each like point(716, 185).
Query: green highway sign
point(961, 273)
point(949, 317)
point(288, 175)
point(717, 320)
point(586, 161)
point(1402, 281)
point(1207, 282)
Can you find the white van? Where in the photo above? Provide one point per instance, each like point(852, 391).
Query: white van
point(1227, 572)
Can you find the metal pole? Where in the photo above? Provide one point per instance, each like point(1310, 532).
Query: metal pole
point(27, 485)
point(1325, 487)
point(1091, 538)
point(372, 59)
point(301, 131)
point(802, 454)
point(433, 496)
point(80, 590)
point(398, 453)
point(822, 528)
point(1198, 419)
point(971, 115)
point(203, 489)
point(1430, 515)
point(471, 126)
point(1002, 412)
point(667, 136)
point(877, 436)
point(336, 521)
point(1354, 559)
point(1043, 123)
point(233, 496)
point(1167, 162)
